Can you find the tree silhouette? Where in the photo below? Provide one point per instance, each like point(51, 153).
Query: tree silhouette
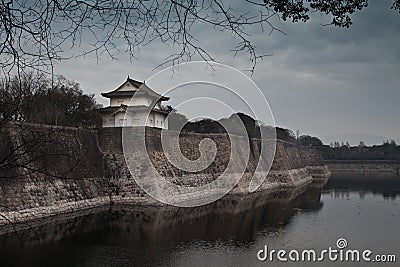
point(38, 99)
point(36, 34)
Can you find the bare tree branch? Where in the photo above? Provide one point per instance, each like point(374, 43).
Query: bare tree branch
point(36, 34)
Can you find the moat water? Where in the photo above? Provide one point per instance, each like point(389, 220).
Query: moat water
point(363, 209)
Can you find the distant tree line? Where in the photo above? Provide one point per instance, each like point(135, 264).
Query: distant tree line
point(36, 98)
point(254, 128)
point(307, 140)
point(179, 121)
point(389, 150)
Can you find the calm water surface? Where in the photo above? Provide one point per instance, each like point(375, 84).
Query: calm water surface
point(365, 210)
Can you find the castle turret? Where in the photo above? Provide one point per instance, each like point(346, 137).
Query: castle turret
point(145, 109)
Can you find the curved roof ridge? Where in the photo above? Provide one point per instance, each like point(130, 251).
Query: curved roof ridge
point(141, 86)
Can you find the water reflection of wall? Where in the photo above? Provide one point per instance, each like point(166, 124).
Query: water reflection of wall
point(232, 217)
point(385, 184)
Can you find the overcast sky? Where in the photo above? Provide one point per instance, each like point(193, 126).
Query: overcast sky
point(337, 84)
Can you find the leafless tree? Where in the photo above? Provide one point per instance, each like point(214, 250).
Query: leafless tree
point(36, 34)
point(36, 98)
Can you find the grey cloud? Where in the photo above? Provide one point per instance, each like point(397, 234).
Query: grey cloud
point(322, 80)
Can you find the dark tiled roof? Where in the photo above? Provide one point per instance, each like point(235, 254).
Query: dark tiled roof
point(119, 93)
point(144, 89)
point(112, 109)
point(135, 83)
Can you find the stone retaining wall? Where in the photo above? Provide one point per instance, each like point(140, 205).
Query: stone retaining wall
point(75, 169)
point(369, 166)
